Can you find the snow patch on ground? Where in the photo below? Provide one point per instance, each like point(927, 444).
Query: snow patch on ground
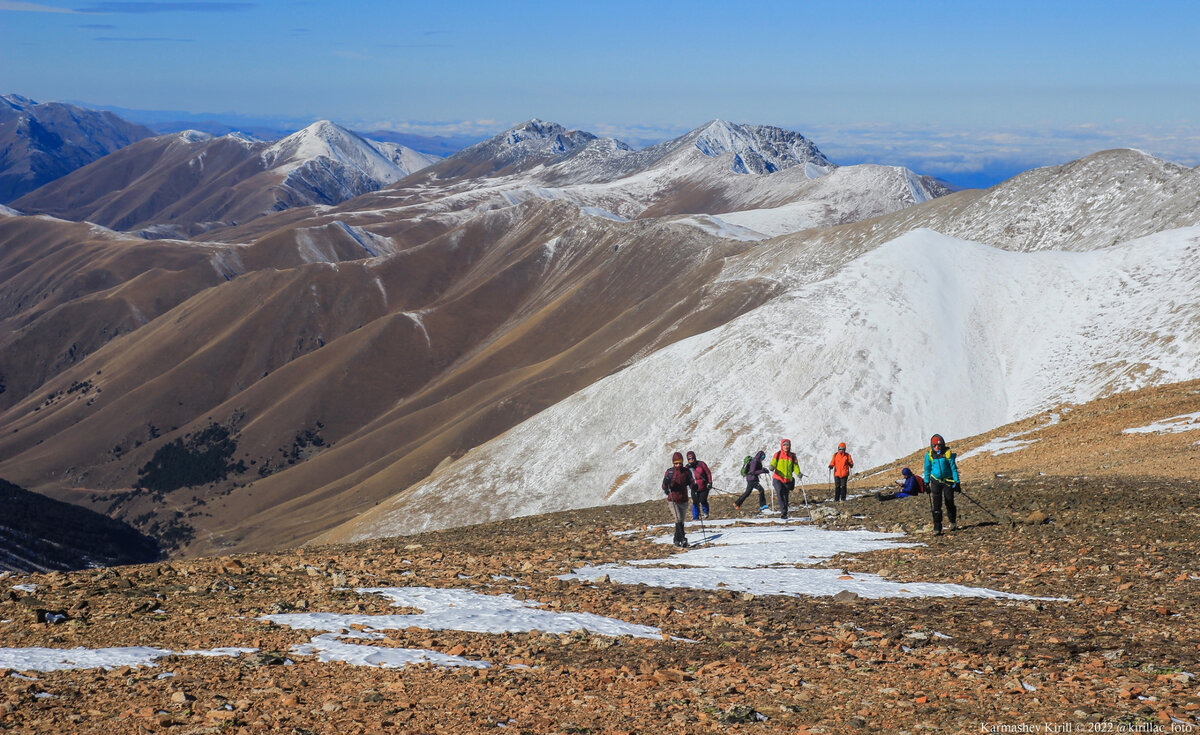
point(1173, 425)
point(769, 561)
point(1000, 445)
point(463, 610)
point(328, 648)
point(59, 659)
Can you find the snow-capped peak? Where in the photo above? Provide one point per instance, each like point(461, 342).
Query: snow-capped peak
point(324, 139)
point(191, 136)
point(761, 149)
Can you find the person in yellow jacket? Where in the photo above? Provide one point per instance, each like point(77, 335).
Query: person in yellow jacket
point(783, 469)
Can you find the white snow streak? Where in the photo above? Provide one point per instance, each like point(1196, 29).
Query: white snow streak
point(1173, 425)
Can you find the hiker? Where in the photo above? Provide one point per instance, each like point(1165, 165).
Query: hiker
point(784, 464)
point(703, 477)
point(752, 472)
point(941, 480)
point(841, 464)
point(675, 485)
point(910, 485)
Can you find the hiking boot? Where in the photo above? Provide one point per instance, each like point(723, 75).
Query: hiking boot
point(764, 509)
point(953, 526)
point(879, 496)
point(937, 532)
point(737, 505)
point(683, 544)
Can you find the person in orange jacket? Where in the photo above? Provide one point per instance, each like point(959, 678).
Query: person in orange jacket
point(841, 464)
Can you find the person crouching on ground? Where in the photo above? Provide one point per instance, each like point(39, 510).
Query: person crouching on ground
point(910, 485)
point(784, 464)
point(756, 468)
point(941, 478)
point(703, 477)
point(676, 483)
point(841, 464)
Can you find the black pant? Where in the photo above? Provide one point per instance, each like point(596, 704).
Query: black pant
point(782, 490)
point(939, 490)
point(752, 483)
point(839, 487)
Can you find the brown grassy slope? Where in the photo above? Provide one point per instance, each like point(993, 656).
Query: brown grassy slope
point(1086, 440)
point(401, 361)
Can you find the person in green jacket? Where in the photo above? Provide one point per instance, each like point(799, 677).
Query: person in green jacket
point(941, 479)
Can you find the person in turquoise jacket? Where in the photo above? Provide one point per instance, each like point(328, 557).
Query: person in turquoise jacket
point(941, 479)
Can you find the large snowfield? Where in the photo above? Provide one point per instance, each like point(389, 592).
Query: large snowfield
point(925, 334)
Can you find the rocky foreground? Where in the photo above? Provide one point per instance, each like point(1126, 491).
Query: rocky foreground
point(1120, 654)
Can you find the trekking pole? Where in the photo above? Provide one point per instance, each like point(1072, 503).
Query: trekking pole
point(976, 502)
point(703, 530)
point(800, 479)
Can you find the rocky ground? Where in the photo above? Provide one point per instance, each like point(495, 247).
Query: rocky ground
point(1119, 655)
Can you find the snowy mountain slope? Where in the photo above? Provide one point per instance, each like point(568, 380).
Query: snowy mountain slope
point(927, 333)
point(329, 147)
point(1108, 197)
point(720, 167)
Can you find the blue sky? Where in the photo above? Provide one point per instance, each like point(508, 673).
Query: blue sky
point(945, 87)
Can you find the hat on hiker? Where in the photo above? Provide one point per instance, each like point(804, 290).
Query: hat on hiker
point(936, 440)
point(676, 457)
point(787, 442)
point(906, 472)
point(691, 456)
point(842, 445)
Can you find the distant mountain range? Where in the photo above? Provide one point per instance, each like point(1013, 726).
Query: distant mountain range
point(542, 310)
point(187, 183)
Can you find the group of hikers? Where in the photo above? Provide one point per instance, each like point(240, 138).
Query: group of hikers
point(693, 479)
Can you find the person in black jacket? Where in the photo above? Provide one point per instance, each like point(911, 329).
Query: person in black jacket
point(676, 484)
point(756, 468)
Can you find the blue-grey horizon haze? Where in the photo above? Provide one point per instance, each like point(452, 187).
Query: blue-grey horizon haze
point(964, 91)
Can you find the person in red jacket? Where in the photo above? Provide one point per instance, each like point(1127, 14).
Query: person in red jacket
point(841, 464)
point(675, 485)
point(704, 481)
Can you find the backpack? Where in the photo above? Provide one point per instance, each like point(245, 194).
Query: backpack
point(746, 465)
